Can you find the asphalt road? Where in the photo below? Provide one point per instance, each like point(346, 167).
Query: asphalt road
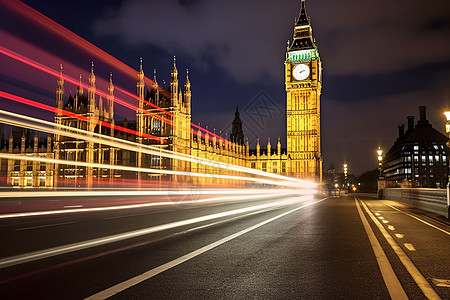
point(281, 247)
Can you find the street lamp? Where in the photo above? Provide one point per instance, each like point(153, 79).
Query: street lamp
point(380, 161)
point(346, 178)
point(447, 129)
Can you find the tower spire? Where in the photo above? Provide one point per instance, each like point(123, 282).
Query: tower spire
point(303, 19)
point(302, 32)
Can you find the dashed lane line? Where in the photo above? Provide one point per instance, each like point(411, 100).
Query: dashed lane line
point(409, 246)
point(43, 226)
point(423, 284)
point(393, 285)
point(419, 219)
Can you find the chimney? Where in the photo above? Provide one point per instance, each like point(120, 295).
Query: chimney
point(401, 131)
point(410, 124)
point(423, 115)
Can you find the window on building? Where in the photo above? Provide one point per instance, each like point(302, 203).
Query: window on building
point(253, 165)
point(275, 169)
point(264, 167)
point(156, 125)
point(416, 147)
point(283, 167)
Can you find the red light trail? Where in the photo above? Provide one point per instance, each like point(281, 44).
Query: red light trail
point(73, 115)
point(53, 72)
point(79, 42)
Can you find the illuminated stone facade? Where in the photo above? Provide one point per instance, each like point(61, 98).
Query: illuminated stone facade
point(303, 78)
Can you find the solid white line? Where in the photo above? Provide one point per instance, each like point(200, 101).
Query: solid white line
point(419, 219)
point(423, 284)
point(43, 226)
point(153, 272)
point(19, 259)
point(393, 285)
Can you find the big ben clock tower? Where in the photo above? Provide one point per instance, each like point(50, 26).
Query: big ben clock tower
point(303, 78)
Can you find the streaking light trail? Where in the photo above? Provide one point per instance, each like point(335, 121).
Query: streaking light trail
point(73, 115)
point(53, 72)
point(10, 261)
point(49, 127)
point(79, 42)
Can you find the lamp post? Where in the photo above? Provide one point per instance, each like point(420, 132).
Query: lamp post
point(447, 129)
point(380, 162)
point(381, 180)
point(345, 178)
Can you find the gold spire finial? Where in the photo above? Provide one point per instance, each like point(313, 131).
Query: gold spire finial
point(61, 67)
point(140, 63)
point(92, 67)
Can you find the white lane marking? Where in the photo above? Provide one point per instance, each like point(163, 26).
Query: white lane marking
point(153, 272)
point(441, 282)
point(390, 227)
point(393, 285)
point(73, 206)
point(409, 246)
point(423, 284)
point(27, 257)
point(381, 218)
point(399, 235)
point(419, 219)
point(125, 216)
point(385, 221)
point(377, 214)
point(43, 226)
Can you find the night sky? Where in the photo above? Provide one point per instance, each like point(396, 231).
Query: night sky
point(381, 60)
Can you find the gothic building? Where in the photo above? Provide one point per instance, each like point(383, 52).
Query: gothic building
point(163, 120)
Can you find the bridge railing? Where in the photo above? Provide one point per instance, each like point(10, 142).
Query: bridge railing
point(432, 200)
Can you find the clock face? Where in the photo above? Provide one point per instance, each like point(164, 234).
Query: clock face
point(300, 72)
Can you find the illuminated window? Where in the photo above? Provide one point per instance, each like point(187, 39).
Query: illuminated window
point(156, 125)
point(264, 167)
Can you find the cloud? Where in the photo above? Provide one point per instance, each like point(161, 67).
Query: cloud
point(367, 37)
point(242, 37)
point(247, 38)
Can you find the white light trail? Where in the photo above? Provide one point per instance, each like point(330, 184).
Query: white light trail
point(138, 169)
point(158, 192)
point(240, 198)
point(49, 127)
point(15, 260)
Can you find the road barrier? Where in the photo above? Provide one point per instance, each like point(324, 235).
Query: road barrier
point(432, 200)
